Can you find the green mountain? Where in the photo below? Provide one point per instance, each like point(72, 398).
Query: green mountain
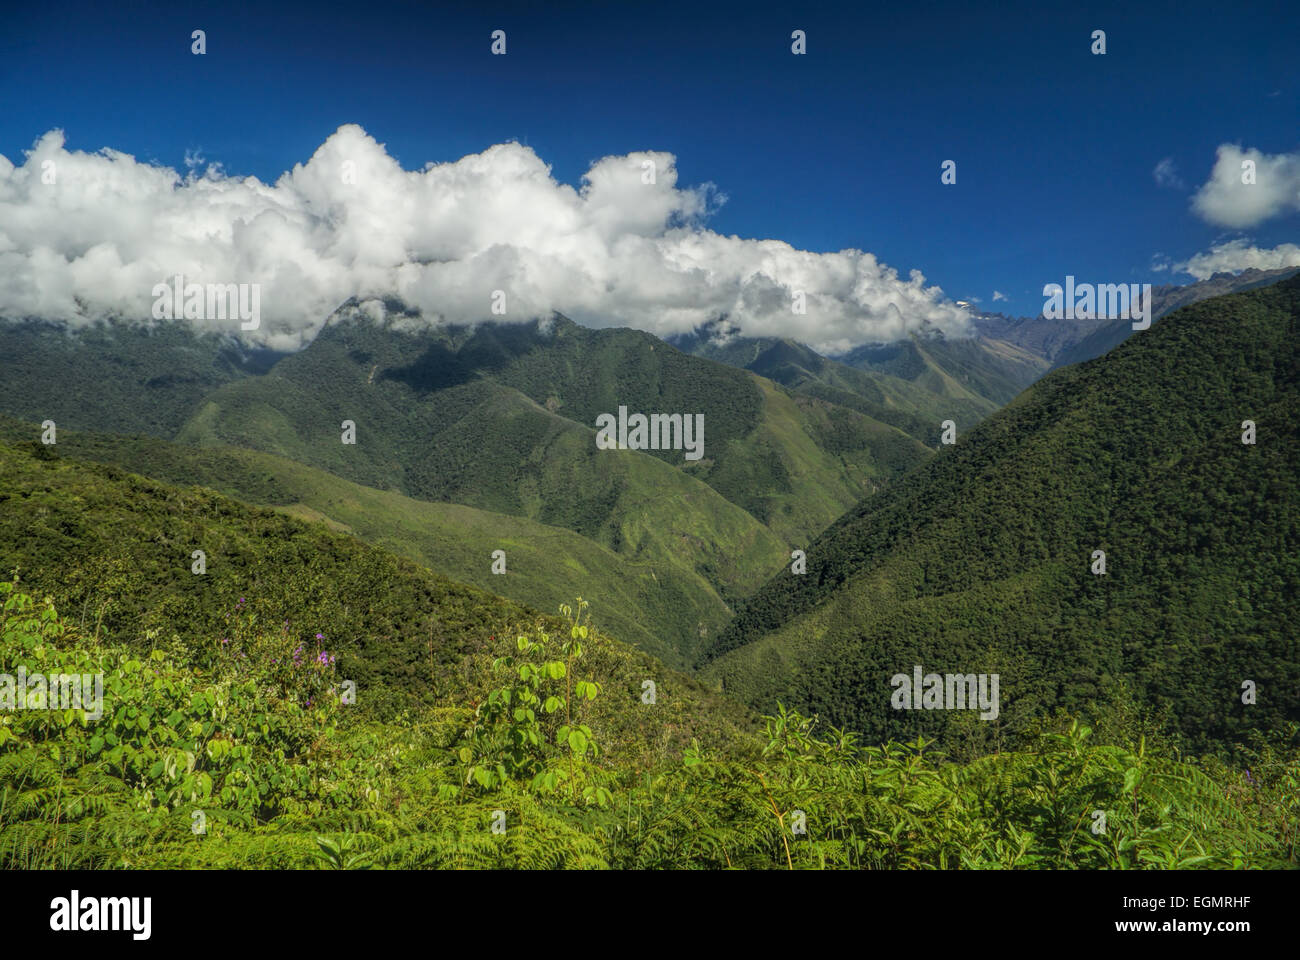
point(997, 370)
point(665, 608)
point(1042, 337)
point(913, 385)
point(477, 440)
point(125, 378)
point(980, 560)
point(1164, 300)
point(502, 417)
point(115, 552)
point(486, 735)
point(972, 377)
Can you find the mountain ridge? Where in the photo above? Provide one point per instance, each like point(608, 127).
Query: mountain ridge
point(979, 559)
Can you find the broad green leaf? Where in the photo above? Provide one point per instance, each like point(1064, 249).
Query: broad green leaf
point(577, 742)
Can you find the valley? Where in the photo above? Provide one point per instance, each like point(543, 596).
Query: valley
point(476, 491)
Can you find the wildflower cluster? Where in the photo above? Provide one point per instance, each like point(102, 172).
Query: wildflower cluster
point(301, 671)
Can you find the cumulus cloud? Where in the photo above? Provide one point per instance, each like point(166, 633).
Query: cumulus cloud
point(1225, 200)
point(1237, 255)
point(998, 295)
point(1166, 174)
point(350, 222)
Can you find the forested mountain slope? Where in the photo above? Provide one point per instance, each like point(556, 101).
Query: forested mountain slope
point(1164, 300)
point(115, 552)
point(914, 384)
point(503, 417)
point(980, 561)
point(124, 378)
point(661, 605)
point(484, 439)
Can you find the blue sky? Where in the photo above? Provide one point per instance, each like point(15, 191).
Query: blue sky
point(840, 148)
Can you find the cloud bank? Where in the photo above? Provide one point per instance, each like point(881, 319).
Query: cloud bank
point(1228, 202)
point(89, 235)
point(1237, 255)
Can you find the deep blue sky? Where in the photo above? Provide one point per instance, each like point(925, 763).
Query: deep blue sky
point(839, 148)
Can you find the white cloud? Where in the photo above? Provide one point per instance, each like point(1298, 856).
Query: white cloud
point(613, 252)
point(1237, 255)
point(1226, 201)
point(998, 295)
point(1166, 174)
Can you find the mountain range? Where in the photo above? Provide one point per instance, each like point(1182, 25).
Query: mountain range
point(472, 440)
point(488, 436)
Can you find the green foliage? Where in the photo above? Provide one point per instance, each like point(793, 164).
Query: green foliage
point(338, 855)
point(281, 784)
point(510, 736)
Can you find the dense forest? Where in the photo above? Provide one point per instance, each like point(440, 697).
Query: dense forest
point(984, 558)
